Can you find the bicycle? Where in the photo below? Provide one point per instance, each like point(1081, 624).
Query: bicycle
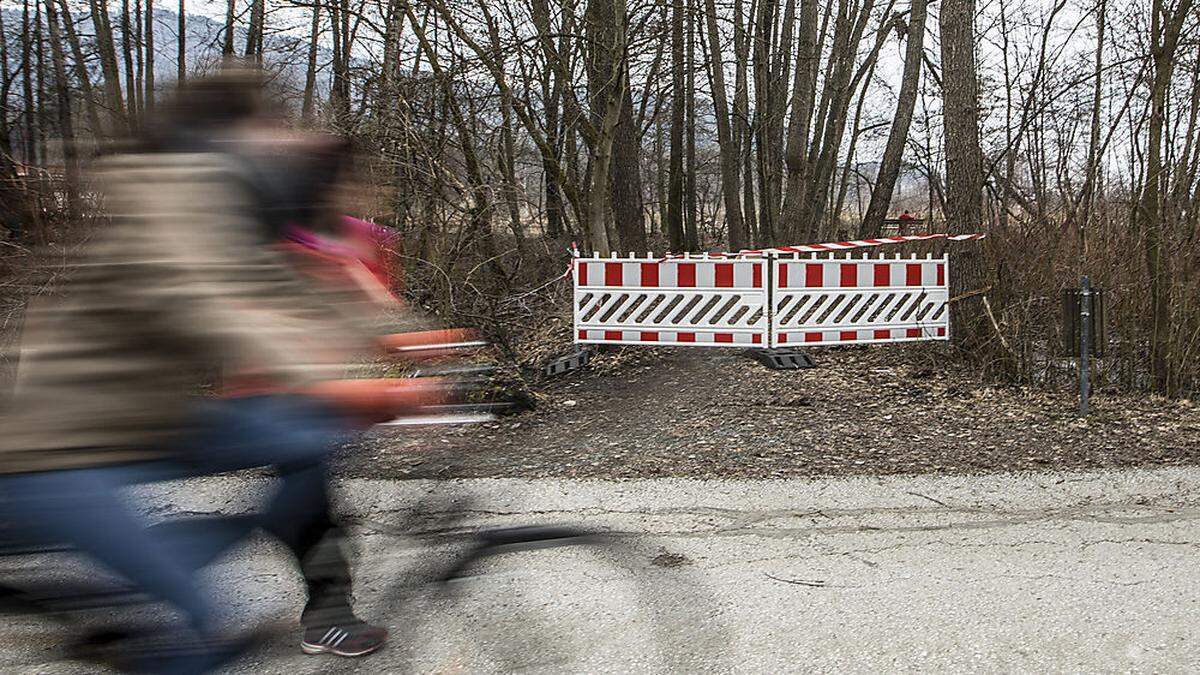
point(444, 604)
point(651, 612)
point(657, 614)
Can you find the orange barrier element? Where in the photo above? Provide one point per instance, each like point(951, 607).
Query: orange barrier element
point(379, 400)
point(432, 343)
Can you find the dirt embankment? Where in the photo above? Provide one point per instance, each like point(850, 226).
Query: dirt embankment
point(709, 413)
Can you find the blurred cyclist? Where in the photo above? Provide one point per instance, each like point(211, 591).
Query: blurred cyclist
point(183, 280)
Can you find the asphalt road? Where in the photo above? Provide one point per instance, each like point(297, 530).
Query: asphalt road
point(1027, 573)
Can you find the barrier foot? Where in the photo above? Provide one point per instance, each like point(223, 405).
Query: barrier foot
point(565, 364)
point(783, 358)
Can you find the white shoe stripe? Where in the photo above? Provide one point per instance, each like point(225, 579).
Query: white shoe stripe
point(329, 632)
point(339, 640)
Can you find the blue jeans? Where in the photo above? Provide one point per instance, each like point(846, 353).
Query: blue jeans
point(83, 508)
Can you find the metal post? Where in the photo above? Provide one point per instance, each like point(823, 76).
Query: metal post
point(769, 262)
point(1085, 325)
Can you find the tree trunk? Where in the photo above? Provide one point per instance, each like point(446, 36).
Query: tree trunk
point(29, 156)
point(8, 171)
point(607, 84)
point(675, 232)
point(65, 122)
point(255, 32)
point(43, 110)
point(1165, 27)
point(227, 45)
point(728, 147)
point(804, 92)
point(763, 32)
point(964, 161)
point(660, 171)
point(608, 89)
point(889, 166)
point(626, 179)
point(339, 93)
point(552, 93)
point(148, 33)
point(310, 71)
point(139, 57)
point(131, 95)
point(181, 35)
point(1010, 158)
point(80, 67)
point(508, 161)
point(393, 30)
point(960, 96)
point(743, 130)
point(773, 132)
point(1087, 192)
point(13, 211)
point(840, 84)
point(554, 200)
point(106, 45)
point(690, 231)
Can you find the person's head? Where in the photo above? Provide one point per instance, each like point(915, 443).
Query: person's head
point(209, 110)
point(306, 171)
point(290, 171)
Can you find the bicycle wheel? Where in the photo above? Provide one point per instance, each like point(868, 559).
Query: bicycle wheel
point(551, 599)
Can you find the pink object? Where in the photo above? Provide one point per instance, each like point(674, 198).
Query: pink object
point(361, 241)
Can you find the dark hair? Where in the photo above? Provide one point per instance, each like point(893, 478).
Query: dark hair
point(291, 186)
point(196, 110)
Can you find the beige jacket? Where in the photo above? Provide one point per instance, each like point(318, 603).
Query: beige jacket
point(180, 282)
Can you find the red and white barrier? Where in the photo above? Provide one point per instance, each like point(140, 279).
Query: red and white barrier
point(765, 297)
point(817, 302)
point(680, 302)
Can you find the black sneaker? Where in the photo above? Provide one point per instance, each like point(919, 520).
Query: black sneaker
point(347, 639)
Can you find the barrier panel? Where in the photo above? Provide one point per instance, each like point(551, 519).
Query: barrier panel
point(702, 302)
point(832, 301)
point(766, 300)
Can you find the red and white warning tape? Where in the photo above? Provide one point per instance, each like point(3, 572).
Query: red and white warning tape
point(854, 243)
point(823, 248)
point(802, 248)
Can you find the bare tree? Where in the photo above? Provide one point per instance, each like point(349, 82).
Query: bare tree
point(552, 94)
point(675, 171)
point(960, 96)
point(63, 101)
point(108, 66)
point(148, 36)
point(725, 137)
point(254, 34)
point(609, 88)
point(80, 68)
point(804, 92)
point(139, 56)
point(889, 165)
point(127, 45)
point(181, 43)
point(691, 234)
point(1165, 27)
point(310, 71)
point(28, 40)
point(227, 44)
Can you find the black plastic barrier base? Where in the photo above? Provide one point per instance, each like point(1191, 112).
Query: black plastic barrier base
point(565, 364)
point(782, 358)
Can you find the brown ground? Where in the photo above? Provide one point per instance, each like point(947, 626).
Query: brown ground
point(710, 413)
